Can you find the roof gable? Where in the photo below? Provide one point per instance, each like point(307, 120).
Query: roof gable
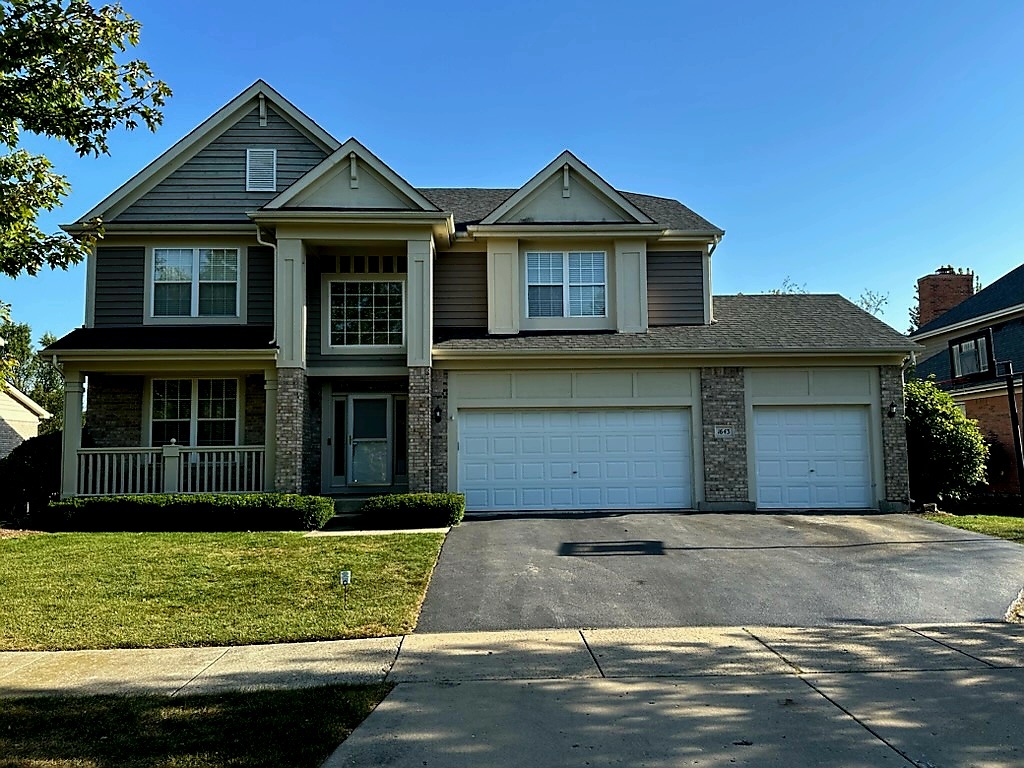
point(1006, 293)
point(567, 191)
point(258, 96)
point(24, 401)
point(352, 177)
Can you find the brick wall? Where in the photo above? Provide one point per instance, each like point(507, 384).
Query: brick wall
point(311, 465)
point(292, 422)
point(993, 417)
point(940, 292)
point(722, 398)
point(894, 439)
point(439, 433)
point(114, 415)
point(254, 423)
point(420, 427)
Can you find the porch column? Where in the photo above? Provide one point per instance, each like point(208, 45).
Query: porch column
point(292, 410)
point(72, 436)
point(419, 427)
point(270, 429)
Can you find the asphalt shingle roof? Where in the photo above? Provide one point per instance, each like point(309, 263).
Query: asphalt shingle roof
point(470, 205)
point(255, 337)
point(1007, 291)
point(1007, 344)
point(744, 324)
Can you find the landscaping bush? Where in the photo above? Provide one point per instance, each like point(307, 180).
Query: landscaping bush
point(29, 479)
point(192, 512)
point(414, 510)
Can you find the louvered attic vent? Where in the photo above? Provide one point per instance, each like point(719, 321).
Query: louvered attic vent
point(261, 170)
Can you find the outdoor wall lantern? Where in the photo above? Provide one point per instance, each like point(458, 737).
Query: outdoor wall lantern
point(893, 409)
point(438, 415)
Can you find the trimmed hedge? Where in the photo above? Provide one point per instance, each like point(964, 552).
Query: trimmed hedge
point(29, 479)
point(193, 512)
point(414, 510)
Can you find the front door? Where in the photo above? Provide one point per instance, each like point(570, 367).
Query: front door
point(369, 448)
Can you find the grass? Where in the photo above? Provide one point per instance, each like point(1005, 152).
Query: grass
point(157, 590)
point(243, 730)
point(1009, 528)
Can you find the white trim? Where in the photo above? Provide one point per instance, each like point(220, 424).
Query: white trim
point(557, 165)
point(250, 186)
point(25, 401)
point(341, 156)
point(326, 348)
point(200, 137)
point(241, 291)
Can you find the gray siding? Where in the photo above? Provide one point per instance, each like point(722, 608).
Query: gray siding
point(120, 285)
point(675, 288)
point(260, 286)
point(211, 185)
point(460, 290)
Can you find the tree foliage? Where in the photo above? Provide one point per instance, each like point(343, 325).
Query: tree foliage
point(61, 77)
point(946, 450)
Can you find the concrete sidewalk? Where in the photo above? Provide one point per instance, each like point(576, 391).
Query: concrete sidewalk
point(925, 696)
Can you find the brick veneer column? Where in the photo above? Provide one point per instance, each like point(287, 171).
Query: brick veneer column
point(420, 424)
point(439, 432)
point(722, 398)
point(894, 440)
point(292, 420)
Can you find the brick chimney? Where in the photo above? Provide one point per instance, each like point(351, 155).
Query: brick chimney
point(940, 292)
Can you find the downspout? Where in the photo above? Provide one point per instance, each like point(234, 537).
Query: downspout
point(273, 247)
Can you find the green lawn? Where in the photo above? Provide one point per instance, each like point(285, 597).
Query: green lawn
point(1009, 528)
point(154, 590)
point(242, 730)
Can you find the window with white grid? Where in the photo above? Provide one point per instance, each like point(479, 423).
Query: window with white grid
point(366, 313)
point(566, 284)
point(203, 410)
point(195, 282)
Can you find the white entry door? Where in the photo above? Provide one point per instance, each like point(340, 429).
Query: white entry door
point(812, 457)
point(594, 458)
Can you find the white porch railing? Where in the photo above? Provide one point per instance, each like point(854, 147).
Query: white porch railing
point(171, 469)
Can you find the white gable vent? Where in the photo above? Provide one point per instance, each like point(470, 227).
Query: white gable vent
point(261, 170)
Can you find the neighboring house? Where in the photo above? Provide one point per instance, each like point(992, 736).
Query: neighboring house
point(964, 334)
point(304, 319)
point(19, 418)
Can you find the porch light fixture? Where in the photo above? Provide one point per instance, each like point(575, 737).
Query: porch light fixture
point(893, 409)
point(438, 414)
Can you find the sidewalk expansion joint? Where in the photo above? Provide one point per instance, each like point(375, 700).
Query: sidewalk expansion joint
point(592, 654)
point(785, 661)
point(398, 652)
point(951, 647)
point(200, 673)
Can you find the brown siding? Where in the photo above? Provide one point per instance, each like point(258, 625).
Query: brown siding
point(460, 290)
point(211, 185)
point(675, 288)
point(120, 285)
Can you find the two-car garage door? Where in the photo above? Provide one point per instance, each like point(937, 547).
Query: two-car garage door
point(587, 458)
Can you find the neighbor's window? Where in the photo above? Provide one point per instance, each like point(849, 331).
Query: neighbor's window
point(366, 313)
point(202, 412)
point(566, 284)
point(195, 282)
point(970, 357)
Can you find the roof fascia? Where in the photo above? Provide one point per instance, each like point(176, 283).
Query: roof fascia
point(887, 356)
point(351, 147)
point(157, 356)
point(526, 231)
point(981, 320)
point(567, 158)
point(198, 138)
point(27, 402)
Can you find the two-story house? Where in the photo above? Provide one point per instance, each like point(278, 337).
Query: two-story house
point(272, 308)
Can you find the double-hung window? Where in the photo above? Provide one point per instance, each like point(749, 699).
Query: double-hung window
point(970, 357)
point(200, 412)
point(195, 282)
point(566, 284)
point(366, 313)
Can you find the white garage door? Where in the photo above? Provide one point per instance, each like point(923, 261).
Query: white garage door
point(812, 458)
point(575, 459)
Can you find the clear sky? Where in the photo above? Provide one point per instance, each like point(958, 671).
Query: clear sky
point(844, 145)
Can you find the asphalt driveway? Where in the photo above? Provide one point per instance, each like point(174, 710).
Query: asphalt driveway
point(674, 570)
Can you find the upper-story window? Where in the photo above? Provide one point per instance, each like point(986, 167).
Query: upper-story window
point(970, 357)
point(261, 170)
point(366, 313)
point(195, 282)
point(566, 284)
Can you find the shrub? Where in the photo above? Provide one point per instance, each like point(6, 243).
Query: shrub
point(414, 510)
point(192, 512)
point(945, 449)
point(29, 479)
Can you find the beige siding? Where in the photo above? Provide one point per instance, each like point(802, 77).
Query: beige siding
point(16, 424)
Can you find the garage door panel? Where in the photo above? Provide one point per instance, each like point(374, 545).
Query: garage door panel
point(576, 459)
point(812, 457)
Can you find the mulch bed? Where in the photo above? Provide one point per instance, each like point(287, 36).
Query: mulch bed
point(10, 533)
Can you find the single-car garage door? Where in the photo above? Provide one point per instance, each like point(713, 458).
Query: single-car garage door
point(593, 458)
point(812, 457)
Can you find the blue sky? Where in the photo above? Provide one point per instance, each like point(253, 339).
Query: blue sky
point(846, 146)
